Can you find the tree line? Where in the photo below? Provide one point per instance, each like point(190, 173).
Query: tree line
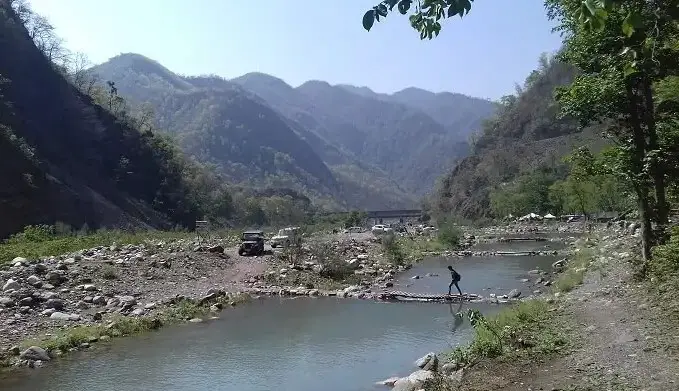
point(626, 55)
point(188, 189)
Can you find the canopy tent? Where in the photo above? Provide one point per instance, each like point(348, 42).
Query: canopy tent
point(530, 216)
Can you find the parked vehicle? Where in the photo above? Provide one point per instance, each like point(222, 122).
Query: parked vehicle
point(354, 230)
point(381, 229)
point(252, 243)
point(287, 237)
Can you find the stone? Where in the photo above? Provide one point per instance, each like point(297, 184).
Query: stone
point(450, 368)
point(10, 285)
point(388, 382)
point(216, 249)
point(26, 302)
point(514, 293)
point(39, 268)
point(19, 260)
point(99, 300)
point(428, 362)
point(404, 384)
point(89, 288)
point(55, 278)
point(64, 316)
point(34, 281)
point(35, 353)
point(7, 302)
point(196, 320)
point(55, 303)
point(48, 312)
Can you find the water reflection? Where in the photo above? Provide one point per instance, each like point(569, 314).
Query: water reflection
point(458, 316)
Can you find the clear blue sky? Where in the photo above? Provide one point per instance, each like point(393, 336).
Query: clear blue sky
point(481, 55)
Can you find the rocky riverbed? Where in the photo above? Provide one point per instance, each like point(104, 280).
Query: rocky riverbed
point(42, 298)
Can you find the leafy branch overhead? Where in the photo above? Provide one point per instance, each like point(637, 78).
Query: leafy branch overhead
point(427, 14)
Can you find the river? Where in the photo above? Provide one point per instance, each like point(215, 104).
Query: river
point(302, 344)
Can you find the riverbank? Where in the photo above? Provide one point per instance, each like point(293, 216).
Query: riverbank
point(599, 330)
point(71, 301)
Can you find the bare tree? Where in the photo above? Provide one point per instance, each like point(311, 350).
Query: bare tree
point(145, 117)
point(77, 65)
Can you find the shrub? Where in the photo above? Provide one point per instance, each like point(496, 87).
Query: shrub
point(108, 273)
point(393, 250)
point(449, 233)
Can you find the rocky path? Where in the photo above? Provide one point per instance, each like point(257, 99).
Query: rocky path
point(620, 340)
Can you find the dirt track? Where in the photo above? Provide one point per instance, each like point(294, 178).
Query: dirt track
point(620, 340)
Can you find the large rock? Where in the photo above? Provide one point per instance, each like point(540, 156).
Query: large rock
point(414, 381)
point(10, 285)
point(64, 316)
point(514, 293)
point(55, 303)
point(34, 280)
point(429, 362)
point(35, 353)
point(55, 278)
point(7, 302)
point(404, 384)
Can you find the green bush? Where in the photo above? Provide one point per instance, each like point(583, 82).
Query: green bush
point(449, 233)
point(392, 249)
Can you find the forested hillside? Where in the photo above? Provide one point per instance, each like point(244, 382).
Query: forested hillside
point(527, 135)
point(402, 134)
point(220, 123)
point(66, 158)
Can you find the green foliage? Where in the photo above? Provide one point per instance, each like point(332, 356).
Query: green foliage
point(523, 330)
point(590, 186)
point(574, 273)
point(41, 241)
point(591, 14)
point(355, 218)
point(393, 250)
point(449, 233)
point(426, 17)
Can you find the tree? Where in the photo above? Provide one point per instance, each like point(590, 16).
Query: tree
point(615, 88)
point(427, 15)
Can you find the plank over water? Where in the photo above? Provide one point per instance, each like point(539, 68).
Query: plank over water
point(404, 296)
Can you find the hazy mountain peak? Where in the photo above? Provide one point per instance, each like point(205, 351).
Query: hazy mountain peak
point(141, 65)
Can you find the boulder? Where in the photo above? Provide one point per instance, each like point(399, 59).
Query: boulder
point(514, 293)
point(35, 353)
point(10, 285)
point(55, 303)
point(428, 362)
point(388, 382)
point(34, 281)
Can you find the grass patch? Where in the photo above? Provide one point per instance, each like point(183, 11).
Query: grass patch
point(574, 274)
point(524, 330)
point(393, 250)
point(417, 247)
point(663, 276)
point(108, 272)
point(42, 240)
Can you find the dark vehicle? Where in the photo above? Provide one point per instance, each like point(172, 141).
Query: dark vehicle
point(252, 243)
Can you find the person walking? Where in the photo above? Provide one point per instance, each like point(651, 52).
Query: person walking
point(455, 278)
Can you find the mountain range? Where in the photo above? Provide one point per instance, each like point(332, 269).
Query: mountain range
point(345, 146)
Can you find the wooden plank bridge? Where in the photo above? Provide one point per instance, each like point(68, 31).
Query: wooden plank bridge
point(445, 298)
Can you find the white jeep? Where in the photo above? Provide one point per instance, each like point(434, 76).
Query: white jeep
point(287, 237)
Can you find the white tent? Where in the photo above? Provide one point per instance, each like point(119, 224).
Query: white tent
point(530, 216)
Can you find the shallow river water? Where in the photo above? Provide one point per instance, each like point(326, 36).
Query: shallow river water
point(303, 344)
